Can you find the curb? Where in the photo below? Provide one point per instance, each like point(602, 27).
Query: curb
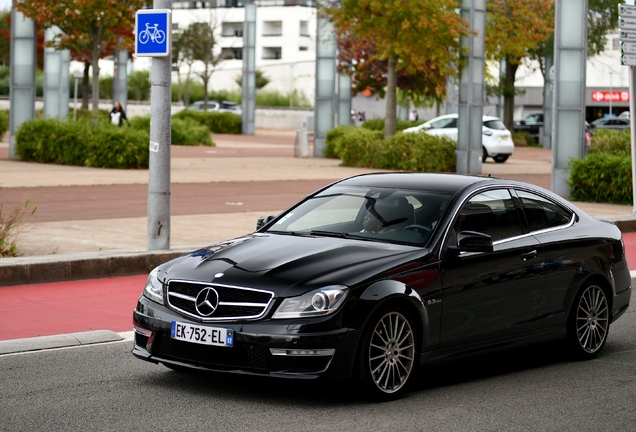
point(79, 266)
point(109, 264)
point(58, 341)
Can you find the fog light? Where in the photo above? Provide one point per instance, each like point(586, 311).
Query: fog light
point(302, 352)
point(142, 331)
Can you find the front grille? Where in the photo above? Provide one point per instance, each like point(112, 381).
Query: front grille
point(243, 356)
point(231, 302)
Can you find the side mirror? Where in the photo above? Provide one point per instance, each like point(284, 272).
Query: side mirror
point(264, 220)
point(471, 241)
point(522, 122)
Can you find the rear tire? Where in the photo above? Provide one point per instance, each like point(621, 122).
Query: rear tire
point(500, 158)
point(387, 356)
point(588, 323)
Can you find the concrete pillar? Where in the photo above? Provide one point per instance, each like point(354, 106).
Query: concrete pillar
point(56, 78)
point(23, 61)
point(324, 105)
point(249, 70)
point(344, 100)
point(471, 90)
point(568, 115)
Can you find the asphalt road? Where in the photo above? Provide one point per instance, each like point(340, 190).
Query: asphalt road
point(104, 388)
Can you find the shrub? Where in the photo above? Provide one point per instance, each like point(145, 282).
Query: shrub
point(523, 139)
point(117, 147)
point(4, 121)
point(602, 177)
point(359, 147)
point(86, 115)
point(183, 131)
point(10, 226)
point(362, 147)
point(332, 141)
point(377, 124)
point(418, 152)
point(216, 122)
point(80, 143)
point(611, 141)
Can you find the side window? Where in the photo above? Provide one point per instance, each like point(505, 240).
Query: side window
point(493, 213)
point(444, 123)
point(542, 213)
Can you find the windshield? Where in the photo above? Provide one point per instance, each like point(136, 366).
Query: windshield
point(378, 214)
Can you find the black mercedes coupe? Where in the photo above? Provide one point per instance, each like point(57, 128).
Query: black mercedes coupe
point(377, 274)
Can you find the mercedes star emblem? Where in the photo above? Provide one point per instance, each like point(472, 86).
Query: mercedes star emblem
point(207, 301)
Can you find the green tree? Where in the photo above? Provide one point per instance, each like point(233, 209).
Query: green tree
point(5, 37)
point(261, 79)
point(89, 28)
point(414, 36)
point(514, 28)
point(202, 43)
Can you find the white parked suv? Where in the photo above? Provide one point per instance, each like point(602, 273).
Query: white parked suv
point(496, 139)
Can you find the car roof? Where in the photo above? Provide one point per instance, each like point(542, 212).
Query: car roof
point(455, 115)
point(435, 182)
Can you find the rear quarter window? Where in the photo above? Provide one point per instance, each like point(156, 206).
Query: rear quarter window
point(541, 213)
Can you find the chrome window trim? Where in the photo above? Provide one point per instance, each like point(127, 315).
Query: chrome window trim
point(266, 306)
point(509, 187)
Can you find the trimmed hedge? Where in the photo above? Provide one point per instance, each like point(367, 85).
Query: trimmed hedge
point(377, 124)
point(359, 147)
point(216, 122)
point(79, 143)
point(186, 131)
point(4, 121)
point(605, 175)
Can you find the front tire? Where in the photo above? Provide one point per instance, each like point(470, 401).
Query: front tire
point(588, 323)
point(387, 357)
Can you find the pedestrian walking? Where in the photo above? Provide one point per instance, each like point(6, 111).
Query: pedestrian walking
point(117, 115)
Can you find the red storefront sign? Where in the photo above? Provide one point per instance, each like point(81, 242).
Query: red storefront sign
point(606, 96)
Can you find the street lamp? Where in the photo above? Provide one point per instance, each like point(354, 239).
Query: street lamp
point(77, 75)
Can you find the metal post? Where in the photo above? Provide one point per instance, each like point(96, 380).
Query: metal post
point(249, 70)
point(160, 139)
point(76, 76)
point(471, 89)
point(22, 90)
point(344, 99)
point(568, 112)
point(548, 89)
point(632, 127)
point(324, 105)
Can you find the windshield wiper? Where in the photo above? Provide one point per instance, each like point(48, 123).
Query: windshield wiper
point(329, 234)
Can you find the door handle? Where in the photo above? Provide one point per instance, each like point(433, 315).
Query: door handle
point(529, 255)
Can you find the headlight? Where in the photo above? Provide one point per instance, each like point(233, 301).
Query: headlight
point(323, 301)
point(154, 288)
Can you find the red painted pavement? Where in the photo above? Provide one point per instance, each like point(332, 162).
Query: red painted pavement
point(97, 304)
point(69, 307)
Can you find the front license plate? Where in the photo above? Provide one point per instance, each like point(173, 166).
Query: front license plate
point(202, 335)
point(504, 138)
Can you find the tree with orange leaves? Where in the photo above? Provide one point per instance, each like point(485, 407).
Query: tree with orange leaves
point(418, 39)
point(89, 27)
point(514, 28)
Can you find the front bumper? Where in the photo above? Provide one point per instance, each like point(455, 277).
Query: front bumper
point(285, 348)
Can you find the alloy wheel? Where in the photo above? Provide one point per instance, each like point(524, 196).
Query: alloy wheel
point(592, 319)
point(391, 352)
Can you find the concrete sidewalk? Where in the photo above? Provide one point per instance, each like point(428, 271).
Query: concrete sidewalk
point(78, 248)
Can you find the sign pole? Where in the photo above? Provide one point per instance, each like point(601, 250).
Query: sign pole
point(627, 21)
point(153, 39)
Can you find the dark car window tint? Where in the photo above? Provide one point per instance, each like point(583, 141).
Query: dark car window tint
point(542, 213)
point(444, 123)
point(493, 213)
point(495, 124)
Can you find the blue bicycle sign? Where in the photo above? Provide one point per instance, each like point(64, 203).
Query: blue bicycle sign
point(153, 28)
point(152, 33)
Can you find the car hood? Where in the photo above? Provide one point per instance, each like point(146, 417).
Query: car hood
point(288, 264)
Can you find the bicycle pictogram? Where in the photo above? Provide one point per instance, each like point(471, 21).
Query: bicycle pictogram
point(152, 33)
